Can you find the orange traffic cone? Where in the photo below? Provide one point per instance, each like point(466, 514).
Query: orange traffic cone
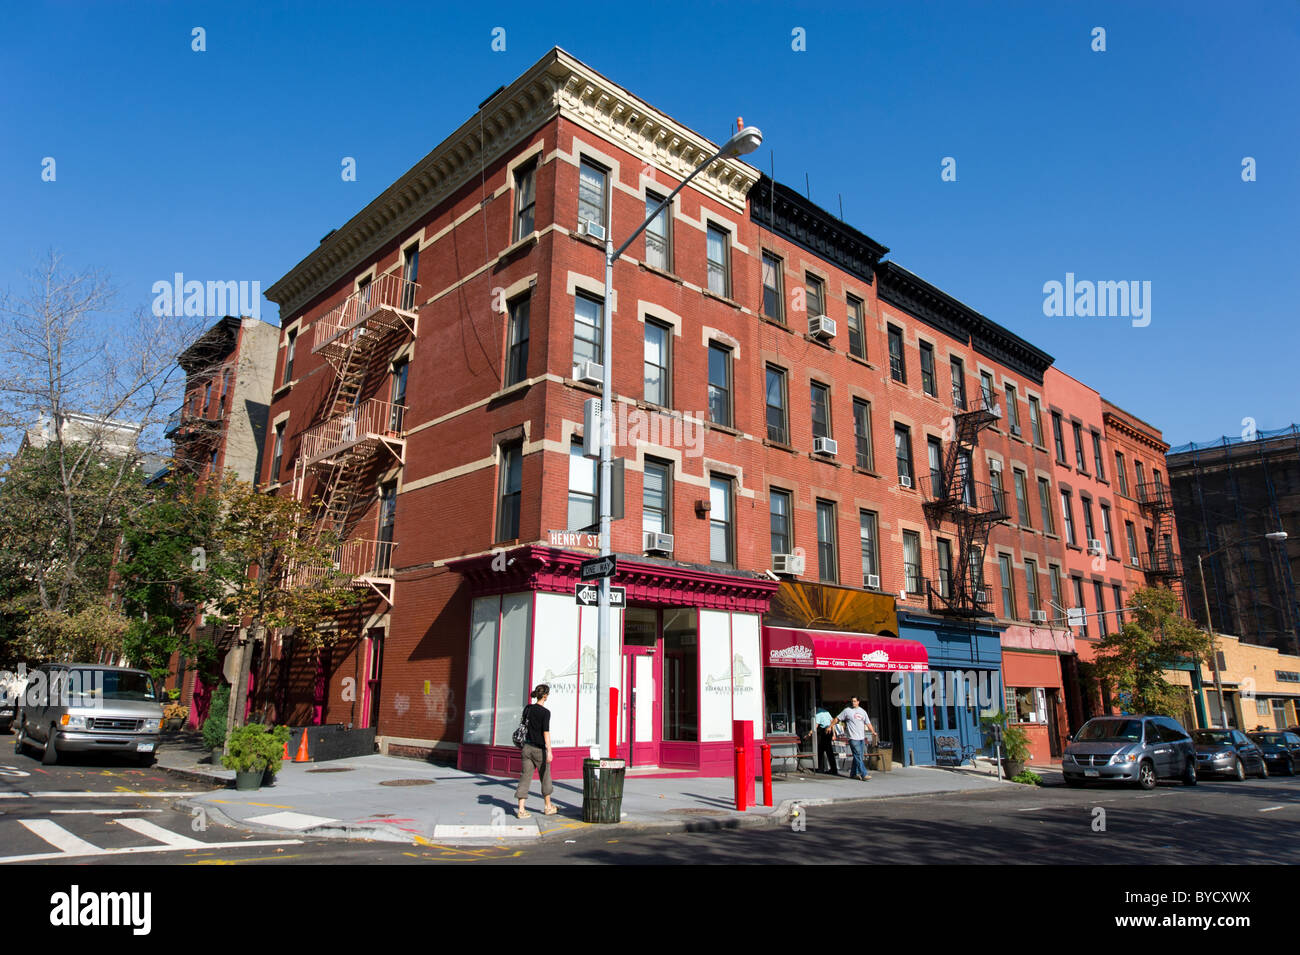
point(302, 756)
point(285, 757)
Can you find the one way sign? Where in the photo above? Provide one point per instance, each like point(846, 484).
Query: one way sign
point(588, 595)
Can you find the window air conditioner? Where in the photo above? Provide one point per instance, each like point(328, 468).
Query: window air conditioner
point(905, 480)
point(593, 230)
point(825, 446)
point(1038, 616)
point(873, 581)
point(787, 564)
point(819, 326)
point(655, 541)
point(593, 373)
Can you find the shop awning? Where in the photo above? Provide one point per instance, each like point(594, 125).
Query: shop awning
point(838, 650)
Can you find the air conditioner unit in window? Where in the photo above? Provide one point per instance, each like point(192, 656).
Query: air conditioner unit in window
point(819, 326)
point(1015, 431)
point(787, 564)
point(1134, 561)
point(981, 596)
point(873, 581)
point(1038, 616)
point(591, 229)
point(825, 446)
point(592, 372)
point(654, 541)
point(905, 480)
point(1094, 546)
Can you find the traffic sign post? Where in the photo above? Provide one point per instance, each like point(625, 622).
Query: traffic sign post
point(588, 595)
point(596, 568)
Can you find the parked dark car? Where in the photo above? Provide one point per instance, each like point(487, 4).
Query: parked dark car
point(1228, 752)
point(1281, 750)
point(1135, 749)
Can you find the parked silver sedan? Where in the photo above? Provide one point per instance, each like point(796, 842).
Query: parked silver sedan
point(1228, 753)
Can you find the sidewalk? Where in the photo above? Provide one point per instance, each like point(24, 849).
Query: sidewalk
point(393, 799)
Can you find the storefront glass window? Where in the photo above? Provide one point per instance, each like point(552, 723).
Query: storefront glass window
point(512, 674)
point(482, 670)
point(681, 675)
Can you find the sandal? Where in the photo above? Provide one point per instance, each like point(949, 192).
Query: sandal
point(523, 814)
point(551, 811)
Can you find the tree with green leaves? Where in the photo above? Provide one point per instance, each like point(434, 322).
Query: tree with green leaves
point(1154, 637)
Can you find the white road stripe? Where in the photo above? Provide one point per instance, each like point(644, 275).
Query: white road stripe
point(1032, 809)
point(78, 794)
point(60, 838)
point(97, 812)
point(134, 850)
point(165, 836)
point(1272, 808)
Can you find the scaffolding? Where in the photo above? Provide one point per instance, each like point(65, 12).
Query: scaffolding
point(1226, 496)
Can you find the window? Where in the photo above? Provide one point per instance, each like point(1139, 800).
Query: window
point(1079, 461)
point(656, 497)
point(1067, 512)
point(1131, 536)
point(720, 523)
point(397, 414)
point(512, 459)
point(719, 384)
point(207, 398)
point(288, 357)
point(779, 506)
point(1140, 479)
point(958, 384)
point(387, 524)
point(912, 561)
point(1058, 437)
point(1022, 497)
point(903, 453)
point(934, 457)
point(944, 551)
point(867, 534)
point(897, 370)
point(525, 199)
point(719, 262)
point(1118, 593)
point(1036, 420)
point(1008, 587)
point(1054, 579)
point(1090, 534)
point(517, 342)
point(278, 456)
point(827, 562)
point(591, 195)
point(411, 273)
point(212, 461)
point(1123, 475)
point(681, 669)
point(995, 482)
point(1106, 530)
point(773, 296)
point(584, 495)
point(1045, 504)
point(1096, 456)
point(975, 569)
point(1079, 602)
point(862, 432)
point(223, 403)
point(929, 383)
point(857, 334)
point(1099, 593)
point(588, 326)
point(821, 411)
point(658, 238)
point(657, 378)
point(986, 387)
point(966, 474)
point(1013, 410)
point(1031, 585)
point(777, 422)
point(816, 295)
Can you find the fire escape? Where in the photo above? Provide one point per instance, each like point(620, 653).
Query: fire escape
point(1159, 562)
point(198, 426)
point(953, 496)
point(341, 452)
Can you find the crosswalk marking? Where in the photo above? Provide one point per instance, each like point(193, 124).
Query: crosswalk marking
point(97, 812)
point(165, 836)
point(57, 836)
point(79, 794)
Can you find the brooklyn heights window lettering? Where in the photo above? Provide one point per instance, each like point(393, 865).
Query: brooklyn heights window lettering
point(1103, 299)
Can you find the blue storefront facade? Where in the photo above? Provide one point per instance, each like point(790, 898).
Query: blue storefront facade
point(964, 681)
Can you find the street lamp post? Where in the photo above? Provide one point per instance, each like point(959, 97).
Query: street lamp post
point(1205, 593)
point(744, 141)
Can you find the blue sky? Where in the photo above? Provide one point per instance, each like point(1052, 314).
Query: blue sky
point(1116, 165)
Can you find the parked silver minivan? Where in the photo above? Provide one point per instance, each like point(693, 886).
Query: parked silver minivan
point(1135, 749)
point(85, 707)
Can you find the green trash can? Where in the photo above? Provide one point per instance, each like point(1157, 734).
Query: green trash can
point(602, 789)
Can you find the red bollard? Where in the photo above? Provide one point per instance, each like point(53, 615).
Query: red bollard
point(613, 722)
point(765, 752)
point(741, 788)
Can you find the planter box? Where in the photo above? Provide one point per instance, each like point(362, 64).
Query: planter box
point(332, 741)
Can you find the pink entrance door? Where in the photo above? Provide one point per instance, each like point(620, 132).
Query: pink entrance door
point(639, 709)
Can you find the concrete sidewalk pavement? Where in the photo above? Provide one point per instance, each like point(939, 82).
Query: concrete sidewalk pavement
point(403, 800)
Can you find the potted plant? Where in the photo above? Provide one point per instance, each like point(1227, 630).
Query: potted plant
point(1015, 750)
point(174, 716)
point(214, 727)
point(254, 751)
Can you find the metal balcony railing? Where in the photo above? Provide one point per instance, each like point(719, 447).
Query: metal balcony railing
point(383, 305)
point(957, 598)
point(1162, 563)
point(370, 421)
point(1155, 495)
point(972, 498)
point(361, 561)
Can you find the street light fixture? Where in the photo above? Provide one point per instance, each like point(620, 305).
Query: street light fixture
point(746, 140)
point(1205, 594)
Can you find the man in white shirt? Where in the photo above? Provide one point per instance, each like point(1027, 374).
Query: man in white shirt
point(857, 724)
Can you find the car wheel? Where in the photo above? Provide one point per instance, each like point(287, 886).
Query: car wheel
point(1189, 774)
point(1147, 775)
point(1239, 773)
point(1290, 766)
point(51, 754)
point(1263, 769)
point(20, 742)
point(1076, 782)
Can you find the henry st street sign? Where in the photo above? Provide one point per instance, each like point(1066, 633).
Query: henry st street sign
point(596, 568)
point(588, 595)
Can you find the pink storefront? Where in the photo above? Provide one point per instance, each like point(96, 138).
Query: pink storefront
point(1035, 696)
point(689, 660)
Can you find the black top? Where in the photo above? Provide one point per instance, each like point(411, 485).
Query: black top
point(539, 722)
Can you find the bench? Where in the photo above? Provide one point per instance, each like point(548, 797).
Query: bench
point(948, 751)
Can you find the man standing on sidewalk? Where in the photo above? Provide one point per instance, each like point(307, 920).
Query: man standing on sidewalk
point(825, 735)
point(858, 724)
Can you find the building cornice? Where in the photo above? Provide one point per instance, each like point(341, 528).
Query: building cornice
point(556, 85)
point(781, 210)
point(1116, 422)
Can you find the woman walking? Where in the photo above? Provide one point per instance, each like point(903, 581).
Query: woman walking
point(537, 753)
